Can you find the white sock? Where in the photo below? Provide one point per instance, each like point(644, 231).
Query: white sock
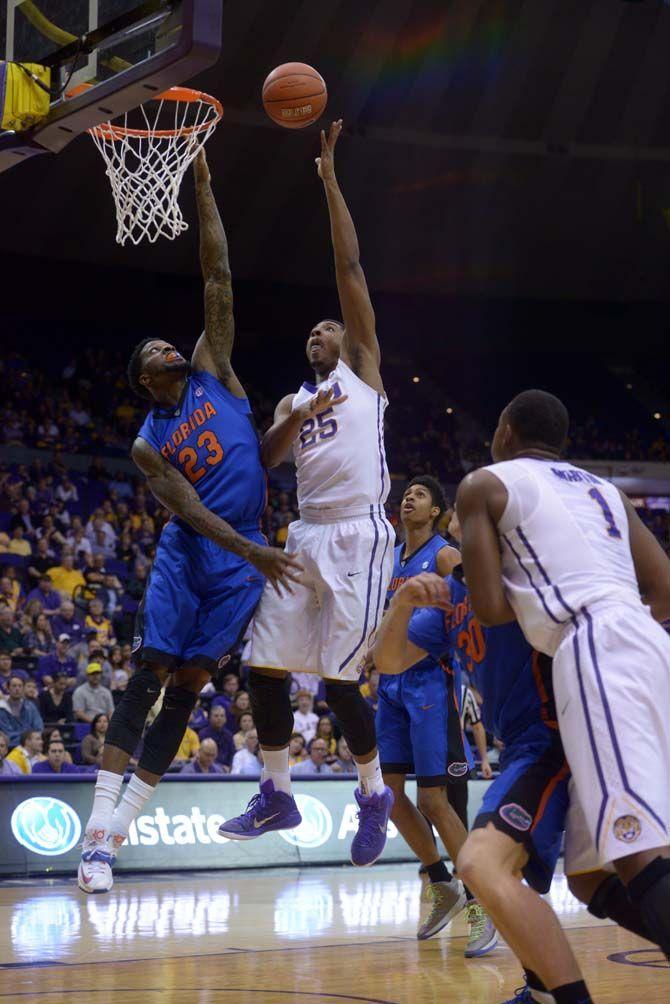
point(370, 778)
point(136, 794)
point(107, 788)
point(276, 769)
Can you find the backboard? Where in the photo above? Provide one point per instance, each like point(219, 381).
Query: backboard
point(127, 50)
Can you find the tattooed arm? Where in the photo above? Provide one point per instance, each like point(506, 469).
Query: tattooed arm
point(213, 350)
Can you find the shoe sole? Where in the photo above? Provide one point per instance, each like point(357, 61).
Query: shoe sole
point(458, 906)
point(481, 951)
point(92, 892)
point(232, 835)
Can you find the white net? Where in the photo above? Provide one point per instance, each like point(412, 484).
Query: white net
point(146, 165)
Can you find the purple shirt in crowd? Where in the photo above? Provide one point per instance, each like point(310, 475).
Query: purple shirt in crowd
point(66, 768)
point(224, 742)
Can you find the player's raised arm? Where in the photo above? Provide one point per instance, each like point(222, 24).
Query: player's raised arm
point(213, 350)
point(360, 338)
point(480, 501)
point(393, 652)
point(180, 497)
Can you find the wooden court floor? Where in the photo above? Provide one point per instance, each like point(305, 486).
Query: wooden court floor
point(317, 936)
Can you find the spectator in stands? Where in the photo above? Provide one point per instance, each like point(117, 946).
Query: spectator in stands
point(23, 519)
point(138, 581)
point(245, 761)
point(16, 714)
point(199, 719)
point(40, 640)
point(245, 724)
point(7, 767)
point(217, 731)
point(241, 704)
point(90, 651)
point(65, 576)
point(304, 719)
point(110, 596)
point(31, 693)
point(10, 591)
point(97, 622)
point(29, 751)
point(66, 491)
point(56, 700)
point(6, 672)
point(91, 698)
point(230, 689)
point(53, 732)
point(81, 418)
point(189, 746)
point(120, 671)
point(60, 660)
point(49, 531)
point(47, 595)
point(11, 640)
point(316, 762)
point(206, 761)
point(370, 689)
point(324, 730)
point(41, 561)
point(69, 622)
point(97, 470)
point(19, 544)
point(80, 544)
point(93, 744)
point(56, 762)
point(296, 749)
point(345, 763)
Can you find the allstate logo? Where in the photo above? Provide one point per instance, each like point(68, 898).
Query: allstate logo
point(46, 825)
point(316, 826)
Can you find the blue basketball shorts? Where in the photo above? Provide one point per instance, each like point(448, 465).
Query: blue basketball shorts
point(198, 601)
point(529, 802)
point(418, 727)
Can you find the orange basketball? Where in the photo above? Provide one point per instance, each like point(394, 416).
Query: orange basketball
point(294, 95)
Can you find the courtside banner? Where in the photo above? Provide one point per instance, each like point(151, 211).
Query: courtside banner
point(42, 820)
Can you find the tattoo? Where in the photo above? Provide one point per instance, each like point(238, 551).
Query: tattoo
point(219, 322)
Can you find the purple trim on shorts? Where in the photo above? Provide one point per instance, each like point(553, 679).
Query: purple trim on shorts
point(367, 602)
point(589, 727)
point(610, 724)
point(382, 516)
point(380, 441)
point(530, 579)
point(524, 540)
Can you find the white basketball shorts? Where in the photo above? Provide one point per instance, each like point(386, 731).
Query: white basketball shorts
point(612, 687)
point(326, 626)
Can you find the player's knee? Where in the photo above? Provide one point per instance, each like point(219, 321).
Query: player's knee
point(192, 678)
point(354, 715)
point(478, 859)
point(581, 887)
point(432, 802)
point(127, 722)
point(271, 708)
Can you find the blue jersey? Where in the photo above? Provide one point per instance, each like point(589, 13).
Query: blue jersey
point(424, 559)
point(211, 439)
point(515, 683)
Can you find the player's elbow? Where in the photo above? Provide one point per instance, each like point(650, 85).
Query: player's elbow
point(270, 455)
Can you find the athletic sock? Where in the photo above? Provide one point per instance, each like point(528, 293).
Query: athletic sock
point(538, 991)
point(572, 993)
point(107, 788)
point(370, 779)
point(136, 794)
point(276, 769)
point(438, 872)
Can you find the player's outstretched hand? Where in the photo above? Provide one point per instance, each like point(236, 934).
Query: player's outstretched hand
point(323, 401)
point(325, 164)
point(279, 568)
point(425, 590)
point(201, 168)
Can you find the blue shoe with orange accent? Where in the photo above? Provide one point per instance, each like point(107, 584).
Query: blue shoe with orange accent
point(267, 811)
point(373, 816)
point(522, 995)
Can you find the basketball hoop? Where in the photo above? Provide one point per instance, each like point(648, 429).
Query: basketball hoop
point(146, 166)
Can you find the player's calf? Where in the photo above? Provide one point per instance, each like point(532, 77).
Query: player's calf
point(605, 895)
point(649, 890)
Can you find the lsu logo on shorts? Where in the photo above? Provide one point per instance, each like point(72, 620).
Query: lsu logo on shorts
point(627, 829)
point(515, 816)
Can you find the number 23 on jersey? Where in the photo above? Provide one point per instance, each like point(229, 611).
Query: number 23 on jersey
point(209, 453)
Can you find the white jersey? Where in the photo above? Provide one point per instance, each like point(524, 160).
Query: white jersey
point(339, 454)
point(565, 546)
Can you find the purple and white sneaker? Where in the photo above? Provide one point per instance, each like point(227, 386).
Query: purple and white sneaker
point(268, 810)
point(373, 816)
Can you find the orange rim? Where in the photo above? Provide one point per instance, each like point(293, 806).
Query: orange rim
point(108, 131)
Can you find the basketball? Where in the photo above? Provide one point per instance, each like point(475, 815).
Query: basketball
point(294, 95)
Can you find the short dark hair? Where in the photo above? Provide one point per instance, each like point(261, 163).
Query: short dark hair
point(540, 418)
point(26, 735)
point(437, 495)
point(55, 742)
point(134, 371)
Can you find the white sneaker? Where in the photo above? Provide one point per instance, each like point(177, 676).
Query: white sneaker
point(97, 857)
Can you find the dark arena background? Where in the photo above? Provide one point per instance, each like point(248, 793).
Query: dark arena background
point(507, 167)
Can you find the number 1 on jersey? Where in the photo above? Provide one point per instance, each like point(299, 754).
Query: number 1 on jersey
point(612, 528)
